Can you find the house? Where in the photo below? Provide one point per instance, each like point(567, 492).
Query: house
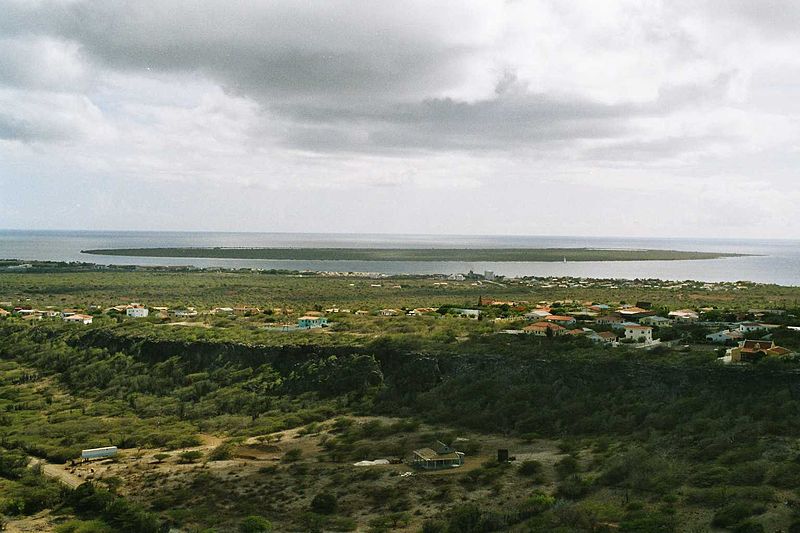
point(544, 329)
point(537, 314)
point(389, 312)
point(749, 350)
point(639, 333)
point(362, 312)
point(606, 337)
point(656, 321)
point(635, 313)
point(78, 318)
point(137, 311)
point(750, 327)
point(724, 336)
point(184, 313)
point(419, 311)
point(561, 320)
point(599, 308)
point(622, 325)
point(469, 313)
point(311, 322)
point(608, 320)
point(441, 456)
point(686, 316)
point(575, 332)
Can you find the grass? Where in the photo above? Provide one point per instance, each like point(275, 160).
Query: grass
point(415, 254)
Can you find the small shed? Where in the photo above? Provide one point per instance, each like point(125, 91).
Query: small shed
point(99, 453)
point(441, 456)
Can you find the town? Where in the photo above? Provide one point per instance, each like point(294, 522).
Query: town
point(737, 334)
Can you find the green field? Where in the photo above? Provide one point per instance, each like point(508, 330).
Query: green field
point(415, 254)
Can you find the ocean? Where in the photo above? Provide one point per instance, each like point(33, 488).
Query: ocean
point(774, 261)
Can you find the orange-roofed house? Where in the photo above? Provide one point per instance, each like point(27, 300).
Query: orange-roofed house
point(544, 329)
point(561, 320)
point(754, 350)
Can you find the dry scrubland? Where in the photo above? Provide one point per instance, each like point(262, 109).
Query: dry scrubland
point(220, 418)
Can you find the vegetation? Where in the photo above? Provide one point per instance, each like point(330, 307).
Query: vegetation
point(235, 426)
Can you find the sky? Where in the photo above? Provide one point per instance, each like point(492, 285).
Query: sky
point(597, 118)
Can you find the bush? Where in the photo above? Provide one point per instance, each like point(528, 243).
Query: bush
point(223, 452)
point(81, 526)
point(530, 468)
point(752, 473)
point(785, 476)
point(191, 456)
point(566, 466)
point(573, 487)
point(734, 513)
point(292, 455)
point(254, 524)
point(324, 503)
point(748, 526)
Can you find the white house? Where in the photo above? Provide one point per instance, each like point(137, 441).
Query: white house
point(658, 321)
point(311, 322)
point(750, 327)
point(469, 313)
point(181, 313)
point(137, 311)
point(536, 314)
point(684, 315)
point(639, 333)
point(78, 319)
point(724, 336)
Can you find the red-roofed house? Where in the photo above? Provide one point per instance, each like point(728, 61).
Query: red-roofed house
point(541, 329)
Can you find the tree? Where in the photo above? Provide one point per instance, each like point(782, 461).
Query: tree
point(255, 524)
point(324, 503)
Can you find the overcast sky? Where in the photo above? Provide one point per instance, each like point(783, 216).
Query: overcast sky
point(519, 117)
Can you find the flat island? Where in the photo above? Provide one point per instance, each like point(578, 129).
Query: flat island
point(417, 254)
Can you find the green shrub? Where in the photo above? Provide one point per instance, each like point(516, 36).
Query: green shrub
point(190, 456)
point(735, 512)
point(84, 526)
point(324, 503)
point(254, 524)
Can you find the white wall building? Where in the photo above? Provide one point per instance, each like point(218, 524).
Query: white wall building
point(137, 311)
point(638, 333)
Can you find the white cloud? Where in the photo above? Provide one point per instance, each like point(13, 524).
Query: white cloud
point(448, 109)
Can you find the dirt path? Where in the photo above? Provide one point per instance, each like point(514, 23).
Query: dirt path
point(56, 472)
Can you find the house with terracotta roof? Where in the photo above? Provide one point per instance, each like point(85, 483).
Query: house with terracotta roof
point(749, 350)
point(561, 320)
point(78, 318)
point(609, 320)
point(544, 329)
point(607, 336)
point(635, 313)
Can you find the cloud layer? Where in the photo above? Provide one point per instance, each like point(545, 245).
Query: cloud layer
point(541, 117)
